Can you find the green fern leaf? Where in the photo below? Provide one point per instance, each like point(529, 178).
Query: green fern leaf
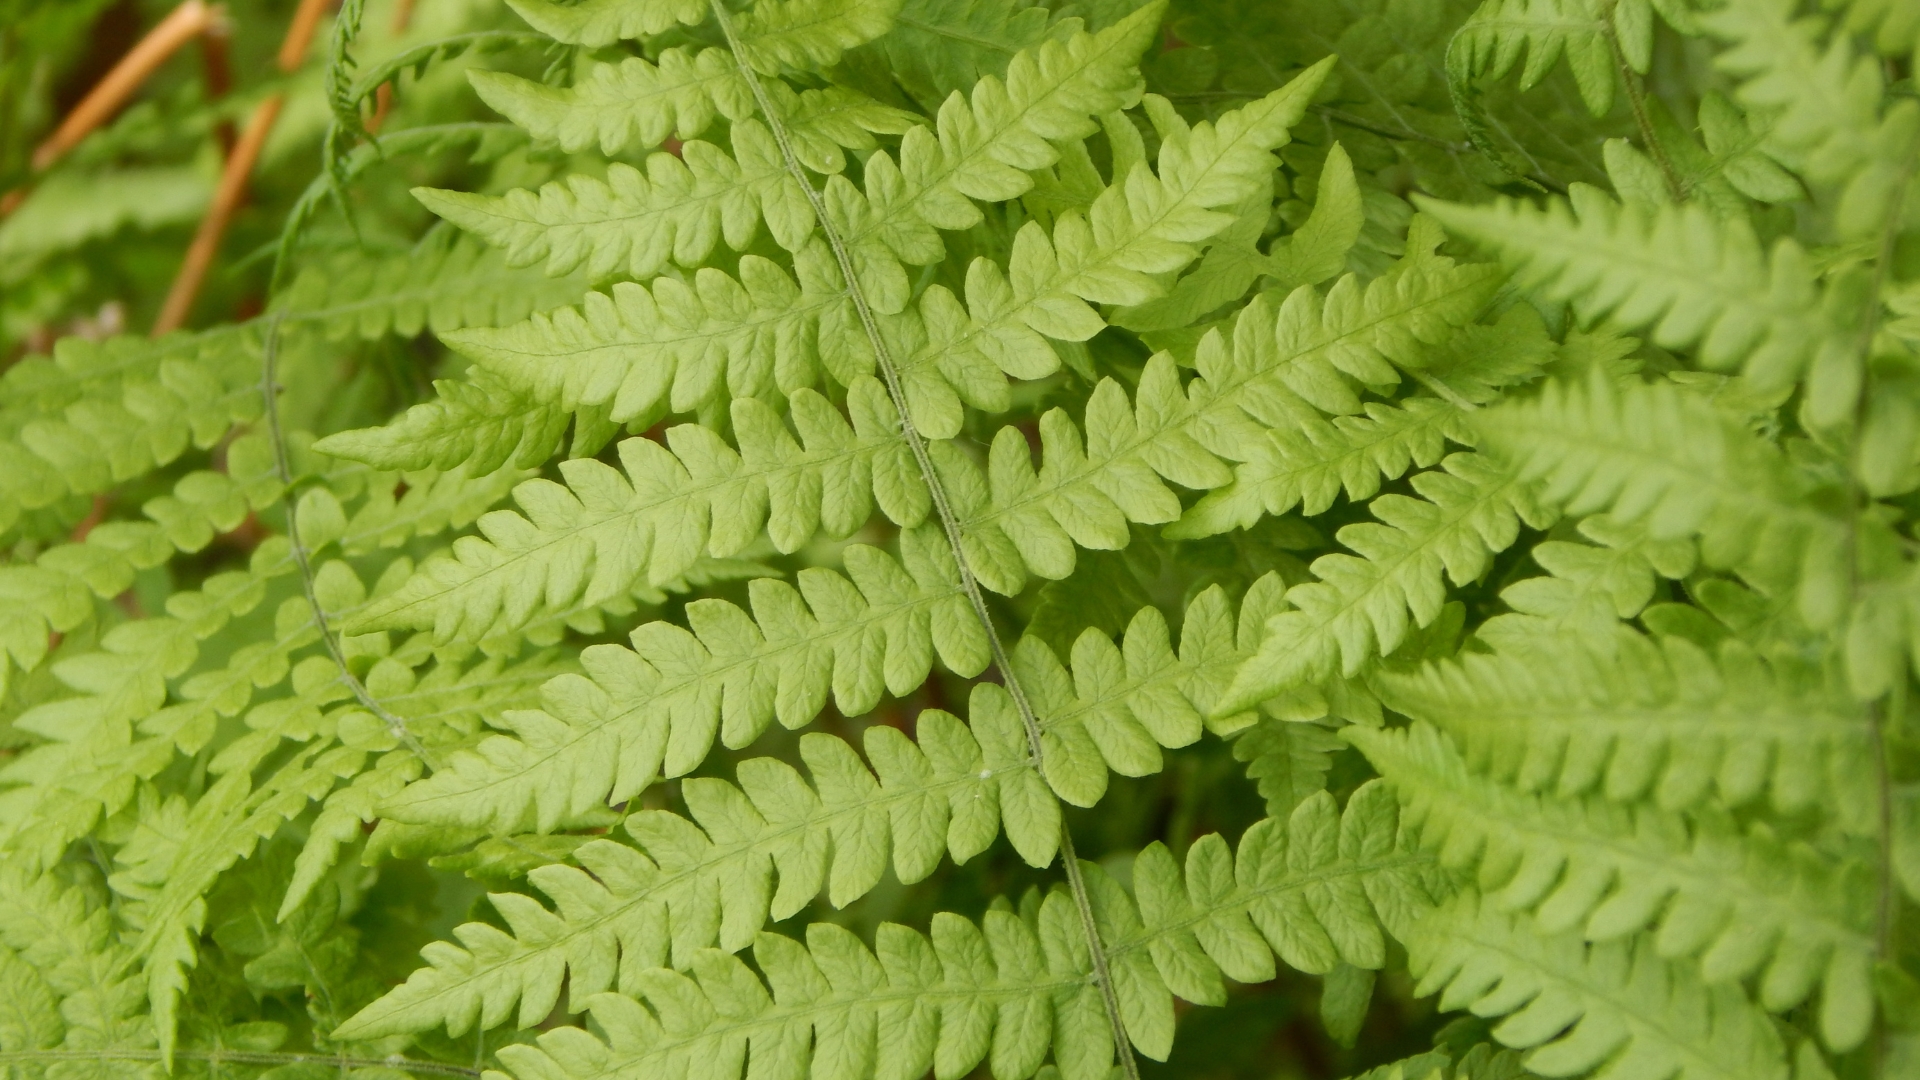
point(658, 708)
point(71, 944)
point(679, 345)
point(1314, 889)
point(604, 532)
point(99, 413)
point(1692, 277)
point(451, 283)
point(1825, 104)
point(1615, 1007)
point(595, 23)
point(1589, 588)
point(1658, 454)
point(1743, 901)
point(1490, 43)
point(477, 422)
point(29, 1012)
point(1634, 717)
point(806, 35)
point(1361, 605)
point(939, 46)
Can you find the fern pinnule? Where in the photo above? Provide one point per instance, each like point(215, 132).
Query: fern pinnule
point(1634, 717)
point(595, 23)
point(1500, 32)
point(659, 706)
point(1743, 902)
point(633, 105)
point(476, 422)
point(1364, 606)
point(68, 940)
point(1614, 1009)
point(447, 283)
point(777, 36)
point(100, 413)
point(939, 46)
point(1826, 101)
point(1694, 277)
point(1588, 588)
point(1670, 457)
point(678, 345)
point(1313, 889)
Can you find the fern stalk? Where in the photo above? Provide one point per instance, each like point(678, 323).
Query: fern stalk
point(270, 396)
point(950, 525)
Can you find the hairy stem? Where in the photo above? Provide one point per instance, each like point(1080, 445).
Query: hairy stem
point(270, 395)
point(1637, 101)
point(950, 524)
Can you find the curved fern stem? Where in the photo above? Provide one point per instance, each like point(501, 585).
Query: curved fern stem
point(950, 524)
point(269, 393)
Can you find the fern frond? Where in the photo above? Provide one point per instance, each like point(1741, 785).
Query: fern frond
point(1411, 318)
point(1500, 32)
point(1741, 900)
point(452, 283)
point(1577, 1007)
point(1280, 368)
point(1146, 223)
point(1636, 717)
point(632, 105)
point(1014, 519)
point(29, 1012)
point(939, 46)
point(658, 707)
point(1360, 606)
point(984, 143)
point(1668, 457)
point(1692, 276)
point(1314, 889)
point(635, 222)
point(605, 532)
point(595, 23)
point(1825, 103)
point(1308, 465)
point(680, 345)
point(478, 422)
point(70, 942)
point(1589, 588)
point(710, 880)
point(637, 105)
point(99, 413)
point(225, 825)
point(808, 35)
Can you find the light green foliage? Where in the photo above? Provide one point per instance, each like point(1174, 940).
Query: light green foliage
point(1614, 1007)
point(883, 538)
point(1682, 272)
point(1744, 902)
point(1314, 889)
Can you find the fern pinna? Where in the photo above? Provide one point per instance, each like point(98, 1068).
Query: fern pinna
point(875, 538)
